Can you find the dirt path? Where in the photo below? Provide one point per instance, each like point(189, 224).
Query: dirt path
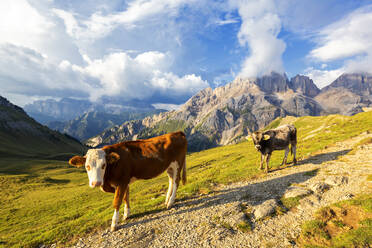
point(212, 220)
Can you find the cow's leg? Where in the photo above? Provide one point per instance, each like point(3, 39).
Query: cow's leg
point(285, 156)
point(262, 160)
point(118, 198)
point(293, 147)
point(267, 162)
point(170, 177)
point(126, 204)
point(176, 180)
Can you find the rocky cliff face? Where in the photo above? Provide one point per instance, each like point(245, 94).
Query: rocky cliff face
point(304, 86)
point(224, 115)
point(95, 122)
point(348, 94)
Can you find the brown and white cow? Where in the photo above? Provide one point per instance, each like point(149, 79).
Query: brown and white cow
point(114, 167)
point(275, 139)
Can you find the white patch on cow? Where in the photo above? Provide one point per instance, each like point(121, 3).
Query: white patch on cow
point(169, 190)
point(115, 219)
point(96, 162)
point(126, 211)
point(173, 186)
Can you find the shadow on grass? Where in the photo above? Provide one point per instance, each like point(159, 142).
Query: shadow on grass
point(254, 193)
point(55, 181)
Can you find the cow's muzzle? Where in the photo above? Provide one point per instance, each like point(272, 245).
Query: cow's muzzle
point(258, 147)
point(95, 184)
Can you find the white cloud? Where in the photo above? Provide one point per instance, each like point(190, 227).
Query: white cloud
point(22, 25)
point(118, 75)
point(99, 25)
point(226, 22)
point(323, 78)
point(259, 30)
point(349, 37)
point(347, 41)
point(167, 106)
point(46, 53)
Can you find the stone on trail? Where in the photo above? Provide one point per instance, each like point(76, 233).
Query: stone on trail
point(296, 191)
point(265, 209)
point(336, 180)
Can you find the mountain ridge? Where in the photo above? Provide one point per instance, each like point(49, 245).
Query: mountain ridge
point(223, 115)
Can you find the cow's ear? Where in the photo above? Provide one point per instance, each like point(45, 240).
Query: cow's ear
point(112, 157)
point(77, 161)
point(266, 137)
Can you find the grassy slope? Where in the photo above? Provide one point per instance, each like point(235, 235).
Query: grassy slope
point(47, 201)
point(40, 142)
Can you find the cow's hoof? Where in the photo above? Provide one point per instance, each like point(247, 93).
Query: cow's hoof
point(114, 228)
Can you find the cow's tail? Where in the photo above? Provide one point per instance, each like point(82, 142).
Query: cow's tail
point(184, 179)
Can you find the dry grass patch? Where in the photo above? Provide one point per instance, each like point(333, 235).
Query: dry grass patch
point(345, 224)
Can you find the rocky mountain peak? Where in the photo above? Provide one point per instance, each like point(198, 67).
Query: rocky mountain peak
point(348, 94)
point(358, 83)
point(275, 82)
point(304, 85)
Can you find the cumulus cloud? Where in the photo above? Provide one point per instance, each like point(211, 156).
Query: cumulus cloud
point(119, 75)
point(347, 41)
point(346, 38)
point(259, 31)
point(23, 25)
point(47, 53)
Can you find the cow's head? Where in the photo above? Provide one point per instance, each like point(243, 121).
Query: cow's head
point(258, 138)
point(95, 162)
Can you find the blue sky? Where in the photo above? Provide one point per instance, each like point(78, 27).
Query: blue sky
point(164, 51)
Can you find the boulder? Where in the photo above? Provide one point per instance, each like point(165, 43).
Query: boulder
point(265, 209)
point(295, 191)
point(319, 187)
point(336, 180)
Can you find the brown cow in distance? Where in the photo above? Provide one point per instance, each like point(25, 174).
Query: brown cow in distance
point(114, 167)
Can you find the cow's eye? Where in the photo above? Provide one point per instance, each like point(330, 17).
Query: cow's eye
point(103, 166)
point(87, 167)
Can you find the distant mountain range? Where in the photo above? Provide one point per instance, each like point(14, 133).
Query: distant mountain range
point(94, 122)
point(223, 115)
point(20, 135)
point(66, 109)
point(83, 119)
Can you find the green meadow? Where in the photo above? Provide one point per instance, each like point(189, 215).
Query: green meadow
point(47, 201)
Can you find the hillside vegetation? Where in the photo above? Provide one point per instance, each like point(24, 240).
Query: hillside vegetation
point(45, 201)
point(22, 136)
